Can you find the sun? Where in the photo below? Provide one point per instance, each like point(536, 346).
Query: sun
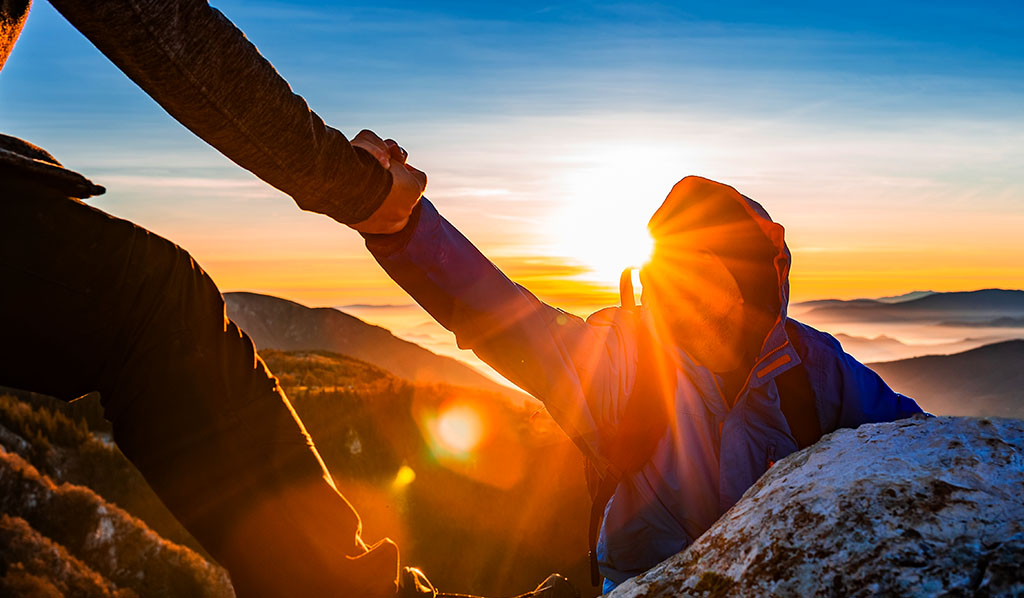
point(606, 245)
point(608, 196)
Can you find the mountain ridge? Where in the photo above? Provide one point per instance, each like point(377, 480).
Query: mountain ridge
point(276, 323)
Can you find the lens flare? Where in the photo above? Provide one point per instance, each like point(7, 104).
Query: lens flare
point(405, 476)
point(459, 427)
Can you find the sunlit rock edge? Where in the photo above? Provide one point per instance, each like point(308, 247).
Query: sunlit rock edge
point(919, 507)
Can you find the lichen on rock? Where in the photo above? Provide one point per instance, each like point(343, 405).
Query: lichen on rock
point(918, 507)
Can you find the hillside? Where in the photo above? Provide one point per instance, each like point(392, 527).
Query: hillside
point(987, 381)
point(275, 323)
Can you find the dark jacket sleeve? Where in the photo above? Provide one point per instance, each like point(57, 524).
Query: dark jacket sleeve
point(582, 371)
point(848, 392)
point(196, 64)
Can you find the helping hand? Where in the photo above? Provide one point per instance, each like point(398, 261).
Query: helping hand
point(407, 185)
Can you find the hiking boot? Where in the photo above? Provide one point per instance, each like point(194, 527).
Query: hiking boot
point(414, 584)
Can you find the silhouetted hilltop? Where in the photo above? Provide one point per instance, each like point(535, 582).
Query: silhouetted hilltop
point(275, 323)
point(905, 297)
point(967, 305)
point(987, 381)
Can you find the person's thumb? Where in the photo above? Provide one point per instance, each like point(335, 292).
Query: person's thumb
point(419, 176)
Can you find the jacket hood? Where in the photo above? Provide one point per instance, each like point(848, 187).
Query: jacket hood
point(700, 214)
point(20, 160)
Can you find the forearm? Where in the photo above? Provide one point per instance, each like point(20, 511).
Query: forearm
point(527, 341)
point(200, 68)
point(455, 283)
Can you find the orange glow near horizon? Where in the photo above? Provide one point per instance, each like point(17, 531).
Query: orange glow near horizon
point(815, 275)
point(571, 254)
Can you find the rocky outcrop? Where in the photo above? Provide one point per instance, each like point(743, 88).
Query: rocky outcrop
point(34, 565)
point(920, 507)
point(115, 553)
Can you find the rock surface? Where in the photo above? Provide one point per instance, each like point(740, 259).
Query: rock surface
point(920, 507)
point(114, 553)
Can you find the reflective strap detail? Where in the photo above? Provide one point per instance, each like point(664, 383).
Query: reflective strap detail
point(771, 367)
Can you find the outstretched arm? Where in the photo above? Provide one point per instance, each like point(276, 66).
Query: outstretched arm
point(200, 68)
point(579, 370)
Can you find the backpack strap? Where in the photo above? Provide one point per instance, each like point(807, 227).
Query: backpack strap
point(604, 491)
point(641, 426)
point(796, 397)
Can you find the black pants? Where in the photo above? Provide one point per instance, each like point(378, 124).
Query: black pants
point(90, 302)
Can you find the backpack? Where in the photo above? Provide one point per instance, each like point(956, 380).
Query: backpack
point(646, 416)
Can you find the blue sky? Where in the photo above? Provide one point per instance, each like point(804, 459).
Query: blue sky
point(877, 132)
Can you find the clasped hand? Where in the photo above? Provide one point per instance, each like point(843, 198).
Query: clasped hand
point(407, 185)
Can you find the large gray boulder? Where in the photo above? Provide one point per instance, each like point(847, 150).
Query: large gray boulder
point(919, 507)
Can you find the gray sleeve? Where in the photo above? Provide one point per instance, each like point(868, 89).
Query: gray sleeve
point(200, 68)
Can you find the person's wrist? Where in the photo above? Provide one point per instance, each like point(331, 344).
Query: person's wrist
point(390, 243)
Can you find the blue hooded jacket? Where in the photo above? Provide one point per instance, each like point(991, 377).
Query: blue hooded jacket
point(584, 372)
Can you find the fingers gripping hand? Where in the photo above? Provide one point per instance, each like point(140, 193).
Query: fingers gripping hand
point(407, 185)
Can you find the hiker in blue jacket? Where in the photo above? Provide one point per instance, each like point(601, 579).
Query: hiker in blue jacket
point(713, 308)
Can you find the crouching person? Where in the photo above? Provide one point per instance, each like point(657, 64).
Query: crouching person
point(681, 403)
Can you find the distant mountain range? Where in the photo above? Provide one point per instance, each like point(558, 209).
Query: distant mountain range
point(970, 306)
point(918, 323)
point(275, 323)
point(886, 348)
point(905, 297)
point(984, 386)
point(1003, 322)
point(987, 381)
